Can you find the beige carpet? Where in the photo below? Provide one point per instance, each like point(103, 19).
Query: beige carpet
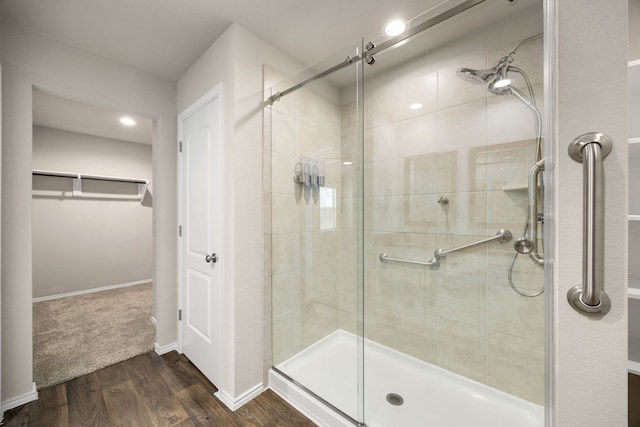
point(77, 335)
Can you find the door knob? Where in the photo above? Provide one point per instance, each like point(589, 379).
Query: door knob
point(211, 258)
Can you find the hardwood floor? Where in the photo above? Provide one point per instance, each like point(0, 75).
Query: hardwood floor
point(148, 390)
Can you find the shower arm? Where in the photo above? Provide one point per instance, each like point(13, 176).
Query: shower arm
point(520, 43)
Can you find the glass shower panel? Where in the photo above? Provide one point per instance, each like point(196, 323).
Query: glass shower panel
point(395, 190)
point(447, 156)
point(315, 169)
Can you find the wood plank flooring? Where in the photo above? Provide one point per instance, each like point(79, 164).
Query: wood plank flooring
point(148, 390)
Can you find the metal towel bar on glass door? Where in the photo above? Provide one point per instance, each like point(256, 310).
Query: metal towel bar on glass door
point(590, 149)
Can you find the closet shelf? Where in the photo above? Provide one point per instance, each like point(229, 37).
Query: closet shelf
point(78, 177)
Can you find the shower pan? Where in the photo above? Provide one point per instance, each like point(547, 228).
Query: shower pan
point(394, 187)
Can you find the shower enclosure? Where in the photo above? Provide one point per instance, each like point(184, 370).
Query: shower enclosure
point(403, 237)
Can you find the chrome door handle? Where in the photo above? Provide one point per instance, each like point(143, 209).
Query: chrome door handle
point(211, 258)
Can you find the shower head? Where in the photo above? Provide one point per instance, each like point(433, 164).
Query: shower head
point(498, 89)
point(498, 82)
point(478, 77)
point(495, 77)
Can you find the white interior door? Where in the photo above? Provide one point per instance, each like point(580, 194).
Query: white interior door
point(200, 130)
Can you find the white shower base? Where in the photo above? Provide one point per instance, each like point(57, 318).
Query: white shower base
point(433, 396)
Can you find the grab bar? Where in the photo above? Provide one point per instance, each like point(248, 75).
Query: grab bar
point(502, 236)
point(533, 212)
point(589, 298)
point(385, 258)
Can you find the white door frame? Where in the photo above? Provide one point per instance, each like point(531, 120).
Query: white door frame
point(214, 93)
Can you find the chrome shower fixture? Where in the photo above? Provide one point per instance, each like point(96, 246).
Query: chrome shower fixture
point(498, 83)
point(523, 245)
point(479, 77)
point(497, 78)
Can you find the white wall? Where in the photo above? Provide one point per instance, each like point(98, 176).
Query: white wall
point(1, 410)
point(31, 60)
point(89, 242)
point(236, 59)
point(634, 30)
point(589, 354)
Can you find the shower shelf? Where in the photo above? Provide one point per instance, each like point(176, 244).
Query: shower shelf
point(523, 187)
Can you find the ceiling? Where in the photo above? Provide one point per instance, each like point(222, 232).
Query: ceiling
point(73, 116)
point(165, 37)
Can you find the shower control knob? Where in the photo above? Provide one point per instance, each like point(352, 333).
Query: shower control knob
point(211, 258)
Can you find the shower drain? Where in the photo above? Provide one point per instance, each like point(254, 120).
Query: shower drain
point(395, 399)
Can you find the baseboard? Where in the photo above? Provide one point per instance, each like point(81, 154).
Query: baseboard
point(163, 349)
point(90, 291)
point(20, 400)
point(237, 403)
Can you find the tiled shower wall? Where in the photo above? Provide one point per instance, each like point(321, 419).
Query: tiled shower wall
point(304, 238)
point(474, 150)
point(464, 146)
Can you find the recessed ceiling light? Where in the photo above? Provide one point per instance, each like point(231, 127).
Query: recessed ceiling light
point(415, 106)
point(127, 121)
point(395, 27)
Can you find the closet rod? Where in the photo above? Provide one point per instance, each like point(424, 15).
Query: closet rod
point(78, 177)
point(88, 176)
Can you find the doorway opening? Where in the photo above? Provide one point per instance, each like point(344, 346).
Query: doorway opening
point(92, 244)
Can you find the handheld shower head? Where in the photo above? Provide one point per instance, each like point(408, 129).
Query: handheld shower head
point(479, 77)
point(498, 82)
point(498, 90)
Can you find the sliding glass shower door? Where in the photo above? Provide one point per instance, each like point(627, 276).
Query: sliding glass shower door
point(454, 316)
point(315, 239)
point(398, 180)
